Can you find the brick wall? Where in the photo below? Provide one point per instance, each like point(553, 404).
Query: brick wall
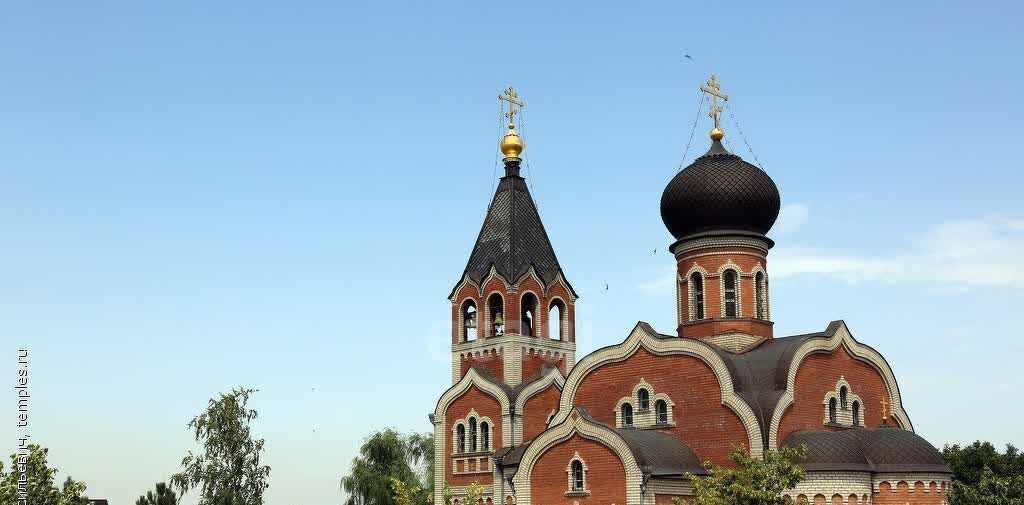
point(492, 362)
point(711, 260)
point(903, 493)
point(605, 476)
point(485, 405)
point(537, 409)
point(818, 375)
point(533, 361)
point(708, 427)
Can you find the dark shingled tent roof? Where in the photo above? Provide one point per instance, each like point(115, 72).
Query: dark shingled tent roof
point(512, 238)
point(886, 449)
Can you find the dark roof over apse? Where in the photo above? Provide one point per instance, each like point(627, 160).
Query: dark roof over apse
point(886, 449)
point(512, 238)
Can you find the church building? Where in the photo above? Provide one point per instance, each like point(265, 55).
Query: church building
point(628, 424)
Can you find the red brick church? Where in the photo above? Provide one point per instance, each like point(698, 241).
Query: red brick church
point(625, 424)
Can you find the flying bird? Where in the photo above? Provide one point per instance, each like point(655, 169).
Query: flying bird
point(606, 287)
point(688, 57)
point(655, 251)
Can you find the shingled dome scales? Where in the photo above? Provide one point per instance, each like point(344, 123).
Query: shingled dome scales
point(512, 238)
point(719, 191)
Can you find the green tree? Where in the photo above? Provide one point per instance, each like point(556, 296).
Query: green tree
point(164, 495)
point(754, 481)
point(229, 471)
point(41, 489)
point(384, 456)
point(404, 494)
point(983, 476)
point(474, 493)
point(420, 447)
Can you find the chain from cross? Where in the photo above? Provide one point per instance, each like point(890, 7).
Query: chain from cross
point(512, 98)
point(714, 89)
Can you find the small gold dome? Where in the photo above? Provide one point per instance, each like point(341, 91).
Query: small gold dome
point(511, 144)
point(717, 133)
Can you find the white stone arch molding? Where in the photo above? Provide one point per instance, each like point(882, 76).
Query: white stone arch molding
point(552, 377)
point(472, 378)
point(729, 265)
point(759, 268)
point(560, 279)
point(645, 336)
point(563, 313)
point(570, 425)
point(536, 316)
point(840, 337)
point(696, 268)
point(466, 279)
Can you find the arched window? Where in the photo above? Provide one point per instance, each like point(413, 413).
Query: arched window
point(661, 412)
point(469, 321)
point(496, 306)
point(832, 410)
point(528, 315)
point(460, 435)
point(759, 296)
point(627, 414)
point(555, 319)
point(472, 434)
point(842, 397)
point(729, 290)
point(856, 413)
point(577, 476)
point(697, 292)
point(643, 399)
point(485, 436)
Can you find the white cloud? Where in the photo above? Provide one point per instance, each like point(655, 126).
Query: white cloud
point(950, 258)
point(791, 217)
point(987, 251)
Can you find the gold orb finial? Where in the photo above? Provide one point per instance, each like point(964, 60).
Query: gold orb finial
point(511, 144)
point(717, 134)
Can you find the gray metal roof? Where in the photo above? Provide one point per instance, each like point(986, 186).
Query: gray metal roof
point(885, 449)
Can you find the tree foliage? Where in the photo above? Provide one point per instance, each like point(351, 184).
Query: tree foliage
point(41, 488)
point(385, 457)
point(983, 476)
point(754, 481)
point(163, 495)
point(474, 493)
point(229, 471)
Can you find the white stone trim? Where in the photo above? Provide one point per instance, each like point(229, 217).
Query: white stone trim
point(560, 279)
point(566, 428)
point(859, 351)
point(941, 481)
point(643, 336)
point(844, 415)
point(729, 265)
point(553, 377)
point(568, 470)
point(691, 301)
point(479, 439)
point(684, 247)
point(536, 316)
point(461, 336)
point(488, 317)
point(645, 418)
point(563, 323)
point(466, 279)
point(758, 268)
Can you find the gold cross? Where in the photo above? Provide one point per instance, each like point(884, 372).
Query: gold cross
point(712, 88)
point(512, 98)
point(885, 409)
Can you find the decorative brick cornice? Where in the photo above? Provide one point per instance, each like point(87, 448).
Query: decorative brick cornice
point(681, 248)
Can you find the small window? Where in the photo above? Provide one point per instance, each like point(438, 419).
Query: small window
point(577, 476)
point(856, 413)
point(528, 315)
point(729, 287)
point(627, 415)
point(555, 320)
point(832, 410)
point(643, 399)
point(697, 292)
point(460, 435)
point(472, 434)
point(842, 397)
point(661, 412)
point(485, 436)
point(759, 295)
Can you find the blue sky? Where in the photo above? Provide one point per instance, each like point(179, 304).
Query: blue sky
point(199, 195)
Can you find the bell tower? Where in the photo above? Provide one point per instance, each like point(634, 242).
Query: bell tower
point(720, 209)
point(513, 309)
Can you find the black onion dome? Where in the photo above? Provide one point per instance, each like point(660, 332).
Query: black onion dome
point(719, 191)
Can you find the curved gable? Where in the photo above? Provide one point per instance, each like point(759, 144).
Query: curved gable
point(817, 361)
point(698, 398)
